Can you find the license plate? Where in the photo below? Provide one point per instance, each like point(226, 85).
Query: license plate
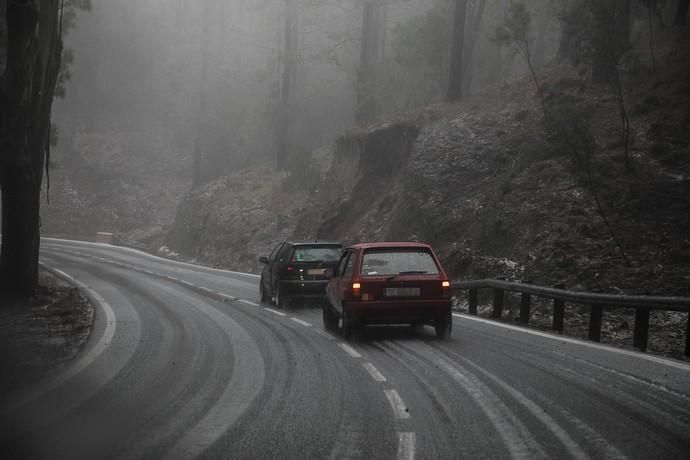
point(315, 271)
point(402, 292)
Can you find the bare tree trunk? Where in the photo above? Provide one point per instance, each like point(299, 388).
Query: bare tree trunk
point(283, 128)
point(26, 92)
point(369, 61)
point(681, 17)
point(456, 57)
point(605, 50)
point(199, 140)
point(470, 41)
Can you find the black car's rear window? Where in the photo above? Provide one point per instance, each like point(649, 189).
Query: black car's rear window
point(316, 254)
point(398, 261)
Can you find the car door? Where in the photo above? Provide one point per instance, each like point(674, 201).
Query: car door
point(267, 272)
point(278, 265)
point(342, 281)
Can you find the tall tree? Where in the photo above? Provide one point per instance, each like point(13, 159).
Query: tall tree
point(476, 18)
point(371, 54)
point(199, 141)
point(287, 82)
point(457, 48)
point(611, 36)
point(515, 32)
point(27, 87)
point(681, 17)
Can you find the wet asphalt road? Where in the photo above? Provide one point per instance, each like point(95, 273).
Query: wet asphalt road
point(184, 362)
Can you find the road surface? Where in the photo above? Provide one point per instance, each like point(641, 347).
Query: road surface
point(184, 362)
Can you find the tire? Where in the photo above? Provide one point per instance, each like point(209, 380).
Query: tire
point(262, 292)
point(348, 326)
point(281, 302)
point(444, 326)
point(330, 320)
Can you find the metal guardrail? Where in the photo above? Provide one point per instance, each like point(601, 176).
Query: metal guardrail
point(643, 305)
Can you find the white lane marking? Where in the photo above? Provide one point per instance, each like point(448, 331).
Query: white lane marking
point(84, 361)
point(375, 374)
point(248, 302)
point(245, 384)
point(349, 350)
point(397, 404)
point(147, 255)
point(227, 297)
point(514, 435)
point(538, 412)
point(205, 289)
point(406, 446)
point(323, 334)
point(598, 346)
point(275, 312)
point(299, 321)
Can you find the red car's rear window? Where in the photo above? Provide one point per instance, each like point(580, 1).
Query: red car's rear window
point(396, 261)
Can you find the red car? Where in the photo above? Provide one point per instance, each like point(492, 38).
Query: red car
point(388, 283)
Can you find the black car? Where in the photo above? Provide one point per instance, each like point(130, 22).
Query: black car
point(298, 270)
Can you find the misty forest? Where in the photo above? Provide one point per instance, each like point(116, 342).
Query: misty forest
point(545, 139)
point(160, 160)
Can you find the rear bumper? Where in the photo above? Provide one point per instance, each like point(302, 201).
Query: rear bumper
point(303, 289)
point(398, 311)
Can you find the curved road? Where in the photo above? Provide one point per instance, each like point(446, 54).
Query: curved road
point(183, 362)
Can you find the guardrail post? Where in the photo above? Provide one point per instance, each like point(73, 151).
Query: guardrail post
point(525, 303)
point(473, 301)
point(498, 303)
point(596, 314)
point(687, 337)
point(558, 312)
point(641, 333)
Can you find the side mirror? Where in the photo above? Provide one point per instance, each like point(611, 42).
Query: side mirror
point(263, 259)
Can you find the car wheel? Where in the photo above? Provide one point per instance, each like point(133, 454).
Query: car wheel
point(281, 302)
point(444, 326)
point(348, 325)
point(330, 321)
point(262, 292)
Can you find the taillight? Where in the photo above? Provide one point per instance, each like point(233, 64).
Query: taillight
point(289, 268)
point(356, 289)
point(445, 289)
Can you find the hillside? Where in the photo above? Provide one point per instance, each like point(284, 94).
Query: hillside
point(496, 189)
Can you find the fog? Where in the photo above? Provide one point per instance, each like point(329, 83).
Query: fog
point(179, 76)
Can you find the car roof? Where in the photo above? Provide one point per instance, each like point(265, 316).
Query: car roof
point(391, 244)
point(314, 243)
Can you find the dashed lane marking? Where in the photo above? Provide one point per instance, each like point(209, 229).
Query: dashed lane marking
point(349, 350)
point(299, 321)
point(375, 374)
point(397, 404)
point(248, 302)
point(275, 312)
point(323, 334)
point(406, 446)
